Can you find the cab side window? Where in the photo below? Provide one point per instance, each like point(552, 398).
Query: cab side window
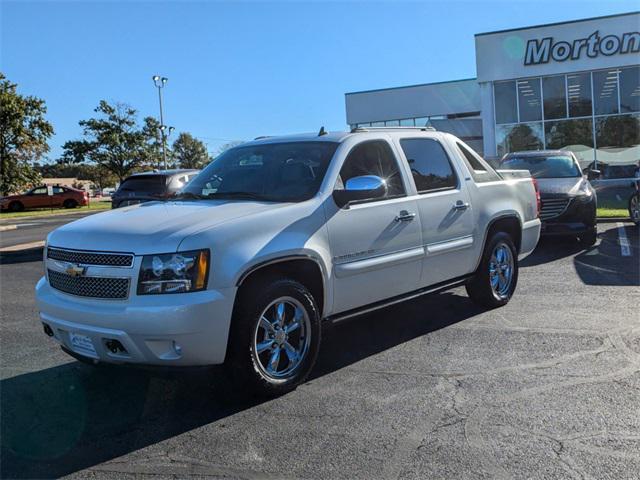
point(39, 191)
point(373, 157)
point(58, 190)
point(429, 164)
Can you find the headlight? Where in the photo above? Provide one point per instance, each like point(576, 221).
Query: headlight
point(174, 272)
point(585, 189)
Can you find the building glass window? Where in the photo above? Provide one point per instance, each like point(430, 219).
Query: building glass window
point(618, 144)
point(605, 92)
point(421, 121)
point(579, 92)
point(392, 123)
point(429, 164)
point(407, 122)
point(529, 102)
point(377, 124)
point(630, 89)
point(555, 97)
point(505, 102)
point(572, 135)
point(523, 136)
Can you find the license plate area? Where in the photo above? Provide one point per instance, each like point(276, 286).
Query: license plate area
point(82, 344)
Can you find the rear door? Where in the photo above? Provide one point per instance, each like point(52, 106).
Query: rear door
point(37, 198)
point(376, 245)
point(444, 208)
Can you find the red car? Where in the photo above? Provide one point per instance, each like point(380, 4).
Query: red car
point(66, 197)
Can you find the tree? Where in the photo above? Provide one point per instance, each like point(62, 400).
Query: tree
point(226, 146)
point(189, 152)
point(24, 133)
point(151, 131)
point(113, 141)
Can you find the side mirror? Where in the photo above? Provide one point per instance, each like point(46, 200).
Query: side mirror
point(366, 187)
point(593, 174)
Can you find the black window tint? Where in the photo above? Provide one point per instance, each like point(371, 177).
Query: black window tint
point(58, 190)
point(373, 158)
point(630, 89)
point(579, 88)
point(555, 98)
point(39, 191)
point(429, 163)
point(480, 170)
point(505, 98)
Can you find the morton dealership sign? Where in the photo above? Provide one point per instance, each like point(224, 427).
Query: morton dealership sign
point(545, 50)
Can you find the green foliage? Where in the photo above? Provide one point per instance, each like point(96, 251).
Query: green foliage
point(189, 152)
point(113, 141)
point(24, 133)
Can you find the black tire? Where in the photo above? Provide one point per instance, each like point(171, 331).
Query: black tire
point(246, 365)
point(589, 238)
point(634, 208)
point(16, 207)
point(479, 287)
point(70, 203)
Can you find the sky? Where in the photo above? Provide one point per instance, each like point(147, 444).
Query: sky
point(241, 69)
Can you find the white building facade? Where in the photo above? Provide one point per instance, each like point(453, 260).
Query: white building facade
point(572, 85)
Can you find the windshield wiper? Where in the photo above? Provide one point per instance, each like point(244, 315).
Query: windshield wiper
point(189, 195)
point(239, 195)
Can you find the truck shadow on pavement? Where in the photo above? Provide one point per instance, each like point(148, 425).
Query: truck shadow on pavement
point(70, 417)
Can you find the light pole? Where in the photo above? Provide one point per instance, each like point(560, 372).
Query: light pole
point(165, 136)
point(160, 82)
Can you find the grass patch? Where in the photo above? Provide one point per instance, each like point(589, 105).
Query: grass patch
point(604, 212)
point(94, 206)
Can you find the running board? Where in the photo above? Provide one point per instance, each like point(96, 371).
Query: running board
point(438, 287)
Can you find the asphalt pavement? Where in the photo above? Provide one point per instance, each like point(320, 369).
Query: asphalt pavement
point(546, 387)
point(23, 231)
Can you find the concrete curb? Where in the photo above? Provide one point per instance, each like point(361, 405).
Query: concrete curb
point(4, 228)
point(613, 219)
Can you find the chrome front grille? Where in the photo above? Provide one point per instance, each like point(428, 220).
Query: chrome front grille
point(95, 287)
point(553, 207)
point(90, 258)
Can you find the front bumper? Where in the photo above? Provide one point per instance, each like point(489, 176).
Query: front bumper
point(189, 329)
point(578, 217)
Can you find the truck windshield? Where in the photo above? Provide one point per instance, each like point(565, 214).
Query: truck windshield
point(277, 172)
point(557, 166)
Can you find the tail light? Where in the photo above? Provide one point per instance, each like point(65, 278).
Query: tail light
point(538, 201)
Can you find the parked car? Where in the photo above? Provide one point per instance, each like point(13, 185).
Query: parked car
point(634, 203)
point(277, 235)
point(66, 197)
point(568, 200)
point(149, 186)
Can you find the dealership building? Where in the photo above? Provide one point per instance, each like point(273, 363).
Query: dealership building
point(572, 85)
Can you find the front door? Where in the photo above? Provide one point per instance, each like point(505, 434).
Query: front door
point(376, 246)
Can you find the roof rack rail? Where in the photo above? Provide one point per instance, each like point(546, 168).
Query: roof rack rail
point(373, 129)
point(262, 136)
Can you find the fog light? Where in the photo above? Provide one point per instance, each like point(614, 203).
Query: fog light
point(47, 330)
point(177, 348)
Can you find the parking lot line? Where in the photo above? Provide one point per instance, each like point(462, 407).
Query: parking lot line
point(623, 240)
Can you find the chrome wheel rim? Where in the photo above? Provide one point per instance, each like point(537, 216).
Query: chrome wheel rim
point(635, 208)
point(282, 338)
point(501, 269)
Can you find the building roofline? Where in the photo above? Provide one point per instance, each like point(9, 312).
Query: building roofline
point(411, 86)
point(558, 23)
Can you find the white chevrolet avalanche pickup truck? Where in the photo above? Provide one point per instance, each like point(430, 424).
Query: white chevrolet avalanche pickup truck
point(277, 235)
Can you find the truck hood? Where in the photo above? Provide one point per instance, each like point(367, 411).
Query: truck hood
point(147, 228)
point(559, 186)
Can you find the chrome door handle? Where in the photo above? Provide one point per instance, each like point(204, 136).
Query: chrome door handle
point(460, 205)
point(405, 216)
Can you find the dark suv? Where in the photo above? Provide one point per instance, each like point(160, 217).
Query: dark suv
point(568, 199)
point(149, 186)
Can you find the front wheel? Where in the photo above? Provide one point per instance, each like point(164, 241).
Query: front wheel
point(589, 238)
point(634, 208)
point(275, 336)
point(495, 280)
point(69, 203)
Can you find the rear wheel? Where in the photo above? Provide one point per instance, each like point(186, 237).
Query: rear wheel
point(275, 336)
point(634, 208)
point(16, 206)
point(70, 203)
point(497, 276)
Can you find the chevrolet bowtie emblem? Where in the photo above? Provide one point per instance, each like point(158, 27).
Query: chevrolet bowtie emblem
point(75, 270)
